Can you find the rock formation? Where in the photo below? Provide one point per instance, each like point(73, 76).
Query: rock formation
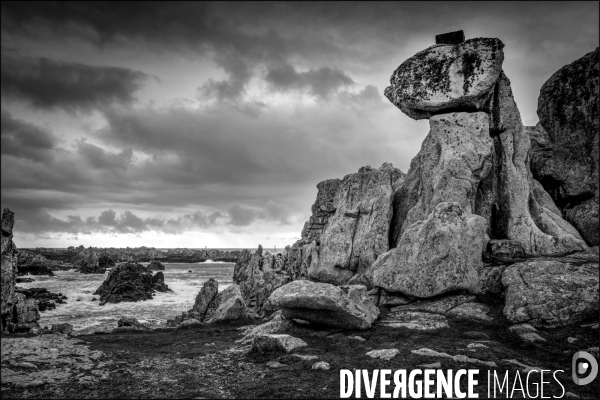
point(17, 313)
point(439, 254)
point(156, 265)
point(358, 231)
point(564, 154)
point(347, 307)
point(130, 282)
point(231, 307)
point(550, 294)
point(29, 262)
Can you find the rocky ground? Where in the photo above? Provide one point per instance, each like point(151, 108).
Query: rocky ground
point(206, 362)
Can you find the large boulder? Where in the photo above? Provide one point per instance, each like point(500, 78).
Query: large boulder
point(549, 294)
point(565, 158)
point(435, 256)
point(276, 343)
point(358, 232)
point(232, 305)
point(447, 77)
point(130, 282)
point(347, 307)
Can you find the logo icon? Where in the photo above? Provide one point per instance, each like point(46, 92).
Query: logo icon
point(584, 363)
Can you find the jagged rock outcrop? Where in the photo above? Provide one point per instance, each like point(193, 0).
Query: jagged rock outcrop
point(358, 231)
point(9, 264)
point(31, 263)
point(207, 301)
point(130, 282)
point(347, 307)
point(156, 265)
point(447, 77)
point(322, 209)
point(17, 313)
point(551, 293)
point(232, 305)
point(258, 274)
point(46, 300)
point(565, 142)
point(439, 254)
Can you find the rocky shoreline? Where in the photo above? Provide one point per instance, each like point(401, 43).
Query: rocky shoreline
point(480, 255)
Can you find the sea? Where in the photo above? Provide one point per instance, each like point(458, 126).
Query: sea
point(87, 316)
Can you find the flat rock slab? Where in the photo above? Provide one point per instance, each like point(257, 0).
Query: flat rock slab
point(527, 333)
point(447, 77)
point(384, 354)
point(347, 307)
point(273, 343)
point(550, 294)
point(458, 358)
point(49, 359)
point(414, 320)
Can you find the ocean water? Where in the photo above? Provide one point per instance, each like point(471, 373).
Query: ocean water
point(87, 316)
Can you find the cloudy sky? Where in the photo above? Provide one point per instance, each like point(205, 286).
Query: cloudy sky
point(199, 124)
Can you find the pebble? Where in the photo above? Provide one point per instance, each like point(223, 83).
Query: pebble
point(321, 366)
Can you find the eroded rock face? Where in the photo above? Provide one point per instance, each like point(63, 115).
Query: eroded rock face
point(447, 77)
point(130, 282)
point(566, 160)
point(9, 262)
point(551, 294)
point(347, 307)
point(435, 256)
point(259, 273)
point(454, 158)
point(358, 232)
point(517, 207)
point(18, 313)
point(322, 209)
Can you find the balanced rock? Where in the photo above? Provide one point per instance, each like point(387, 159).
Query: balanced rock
point(347, 307)
point(358, 232)
point(551, 294)
point(232, 305)
point(566, 160)
point(447, 77)
point(481, 162)
point(435, 256)
point(130, 282)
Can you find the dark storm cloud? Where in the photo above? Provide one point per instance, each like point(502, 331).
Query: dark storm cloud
point(100, 158)
point(24, 140)
point(241, 216)
point(320, 82)
point(50, 84)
